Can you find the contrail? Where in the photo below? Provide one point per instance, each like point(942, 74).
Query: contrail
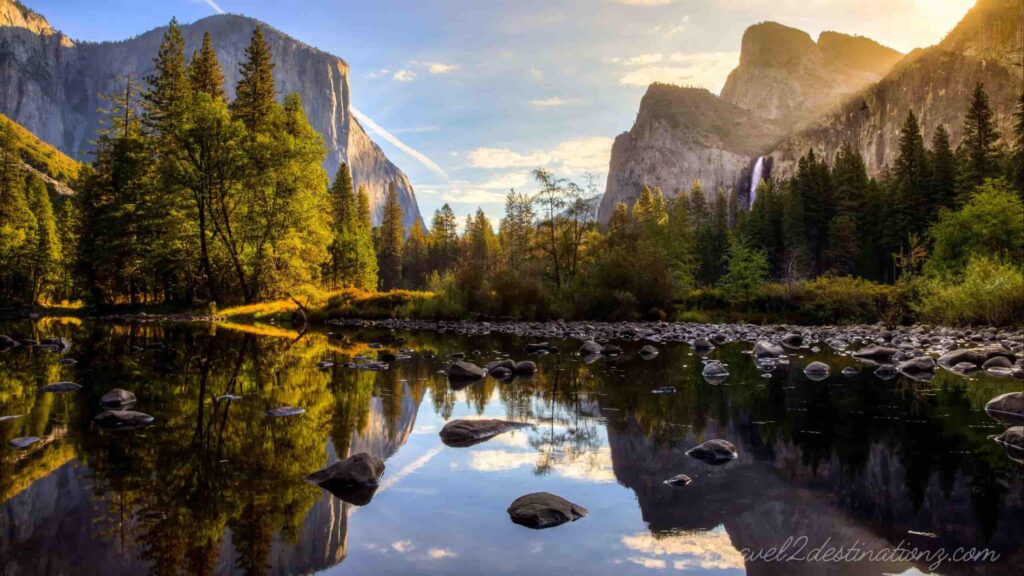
point(215, 7)
point(421, 157)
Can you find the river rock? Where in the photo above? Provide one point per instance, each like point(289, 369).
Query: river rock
point(793, 340)
point(117, 397)
point(997, 362)
point(850, 371)
point(702, 345)
point(7, 342)
point(61, 387)
point(1013, 441)
point(917, 365)
point(976, 356)
point(525, 368)
point(465, 433)
point(123, 419)
point(354, 479)
point(713, 452)
point(876, 353)
point(500, 369)
point(60, 344)
point(817, 371)
point(679, 480)
point(765, 349)
point(463, 370)
point(1007, 408)
point(611, 350)
point(22, 441)
point(541, 510)
point(590, 348)
point(648, 352)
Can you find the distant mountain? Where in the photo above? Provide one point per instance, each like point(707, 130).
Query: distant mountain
point(790, 94)
point(783, 74)
point(52, 86)
point(42, 159)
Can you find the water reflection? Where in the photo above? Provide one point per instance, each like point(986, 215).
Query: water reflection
point(215, 487)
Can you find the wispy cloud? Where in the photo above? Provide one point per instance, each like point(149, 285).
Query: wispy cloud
point(379, 73)
point(440, 553)
point(437, 67)
point(213, 5)
point(577, 154)
point(396, 142)
point(641, 60)
point(404, 75)
point(553, 102)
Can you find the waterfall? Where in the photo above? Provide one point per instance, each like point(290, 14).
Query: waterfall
point(755, 179)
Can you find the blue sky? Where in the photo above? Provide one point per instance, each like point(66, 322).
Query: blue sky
point(489, 89)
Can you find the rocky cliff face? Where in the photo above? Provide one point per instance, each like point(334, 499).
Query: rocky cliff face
point(784, 74)
point(682, 135)
point(936, 83)
point(52, 86)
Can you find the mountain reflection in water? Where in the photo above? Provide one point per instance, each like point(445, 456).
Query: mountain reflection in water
point(215, 487)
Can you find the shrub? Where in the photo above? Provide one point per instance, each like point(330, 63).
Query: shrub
point(835, 300)
point(990, 292)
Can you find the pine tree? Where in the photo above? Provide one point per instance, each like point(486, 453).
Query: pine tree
point(650, 207)
point(17, 223)
point(254, 95)
point(444, 238)
point(980, 143)
point(167, 95)
point(366, 267)
point(516, 230)
point(344, 265)
point(414, 258)
point(204, 71)
point(913, 179)
point(746, 270)
point(46, 253)
point(1018, 150)
point(389, 252)
point(943, 173)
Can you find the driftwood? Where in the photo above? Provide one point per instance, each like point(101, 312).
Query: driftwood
point(300, 320)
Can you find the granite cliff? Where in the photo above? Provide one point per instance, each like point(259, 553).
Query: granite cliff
point(52, 85)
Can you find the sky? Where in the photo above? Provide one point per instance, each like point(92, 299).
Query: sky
point(468, 96)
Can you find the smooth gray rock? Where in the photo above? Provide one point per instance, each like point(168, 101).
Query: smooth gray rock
point(463, 370)
point(22, 441)
point(361, 470)
point(715, 451)
point(679, 480)
point(765, 349)
point(877, 353)
point(284, 411)
point(793, 340)
point(123, 419)
point(525, 368)
point(117, 397)
point(590, 348)
point(61, 387)
point(464, 433)
point(917, 365)
point(648, 352)
point(541, 510)
point(1007, 408)
point(817, 371)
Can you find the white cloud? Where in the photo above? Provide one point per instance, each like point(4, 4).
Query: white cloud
point(441, 553)
point(403, 546)
point(535, 74)
point(404, 75)
point(578, 154)
point(712, 549)
point(419, 156)
point(553, 102)
point(644, 2)
point(379, 73)
point(415, 129)
point(641, 60)
point(705, 69)
point(213, 5)
point(439, 67)
point(650, 563)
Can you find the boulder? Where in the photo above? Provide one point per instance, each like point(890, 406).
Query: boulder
point(648, 352)
point(354, 479)
point(976, 356)
point(525, 368)
point(541, 510)
point(817, 371)
point(22, 441)
point(1007, 408)
point(611, 350)
point(702, 345)
point(714, 369)
point(917, 365)
point(590, 348)
point(765, 349)
point(123, 419)
point(713, 452)
point(462, 370)
point(997, 362)
point(465, 433)
point(1013, 441)
point(500, 369)
point(793, 340)
point(117, 397)
point(877, 353)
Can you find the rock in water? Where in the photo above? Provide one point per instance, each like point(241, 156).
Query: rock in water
point(462, 370)
point(1013, 441)
point(679, 480)
point(765, 349)
point(876, 353)
point(702, 345)
point(541, 510)
point(648, 352)
point(227, 398)
point(714, 372)
point(354, 479)
point(61, 387)
point(464, 433)
point(11, 417)
point(1007, 408)
point(917, 365)
point(22, 442)
point(817, 371)
point(793, 340)
point(285, 411)
point(123, 419)
point(713, 452)
point(525, 368)
point(590, 348)
point(117, 397)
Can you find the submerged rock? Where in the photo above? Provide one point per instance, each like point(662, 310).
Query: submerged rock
point(1013, 441)
point(917, 365)
point(765, 349)
point(850, 371)
point(500, 369)
point(22, 441)
point(465, 433)
point(886, 372)
point(713, 452)
point(679, 480)
point(648, 352)
point(284, 411)
point(67, 361)
point(877, 353)
point(61, 387)
point(817, 371)
point(541, 510)
point(354, 479)
point(793, 340)
point(590, 348)
point(702, 345)
point(714, 372)
point(1007, 408)
point(123, 419)
point(462, 370)
point(525, 368)
point(117, 397)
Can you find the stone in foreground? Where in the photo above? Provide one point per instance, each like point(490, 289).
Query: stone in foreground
point(462, 370)
point(541, 510)
point(123, 419)
point(354, 479)
point(465, 433)
point(1007, 408)
point(817, 371)
point(117, 397)
point(713, 452)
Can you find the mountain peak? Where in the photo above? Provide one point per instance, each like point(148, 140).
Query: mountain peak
point(14, 14)
point(991, 30)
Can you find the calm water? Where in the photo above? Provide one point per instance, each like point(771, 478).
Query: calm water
point(218, 488)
